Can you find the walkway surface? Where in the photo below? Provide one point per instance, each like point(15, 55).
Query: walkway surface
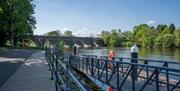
point(33, 75)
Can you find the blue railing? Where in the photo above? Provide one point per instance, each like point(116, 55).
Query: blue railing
point(120, 74)
point(148, 77)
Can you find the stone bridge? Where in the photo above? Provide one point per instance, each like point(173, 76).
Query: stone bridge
point(82, 42)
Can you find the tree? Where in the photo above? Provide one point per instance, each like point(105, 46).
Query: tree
point(54, 33)
point(17, 21)
point(144, 36)
point(105, 35)
point(177, 37)
point(68, 33)
point(169, 30)
point(172, 28)
point(158, 41)
point(160, 28)
point(168, 41)
point(114, 39)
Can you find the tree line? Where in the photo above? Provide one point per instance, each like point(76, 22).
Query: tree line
point(67, 33)
point(16, 21)
point(143, 35)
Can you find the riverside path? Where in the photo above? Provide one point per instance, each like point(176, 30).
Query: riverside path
point(32, 75)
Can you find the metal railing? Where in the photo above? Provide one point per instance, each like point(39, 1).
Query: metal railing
point(65, 80)
point(121, 75)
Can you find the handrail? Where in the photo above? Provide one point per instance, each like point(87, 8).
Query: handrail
point(64, 67)
point(154, 73)
point(136, 64)
point(140, 59)
point(106, 71)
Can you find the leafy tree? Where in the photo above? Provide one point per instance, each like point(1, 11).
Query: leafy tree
point(160, 28)
point(172, 28)
point(17, 21)
point(158, 41)
point(114, 39)
point(169, 30)
point(68, 33)
point(105, 35)
point(53, 33)
point(1, 10)
point(177, 37)
point(144, 36)
point(168, 41)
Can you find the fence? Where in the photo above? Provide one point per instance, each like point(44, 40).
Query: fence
point(120, 74)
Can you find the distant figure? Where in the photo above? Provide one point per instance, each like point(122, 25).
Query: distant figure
point(111, 57)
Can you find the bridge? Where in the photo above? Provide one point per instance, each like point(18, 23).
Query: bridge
point(85, 72)
point(82, 42)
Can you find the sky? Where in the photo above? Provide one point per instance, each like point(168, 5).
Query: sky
point(97, 15)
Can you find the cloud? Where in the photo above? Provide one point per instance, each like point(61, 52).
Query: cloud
point(85, 32)
point(133, 19)
point(151, 22)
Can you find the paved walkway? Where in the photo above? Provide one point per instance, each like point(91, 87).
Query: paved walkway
point(33, 75)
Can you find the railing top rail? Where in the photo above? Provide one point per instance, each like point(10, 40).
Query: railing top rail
point(142, 59)
point(136, 64)
point(70, 73)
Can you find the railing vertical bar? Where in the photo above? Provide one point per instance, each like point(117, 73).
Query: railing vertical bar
point(98, 68)
point(118, 88)
point(133, 78)
point(106, 71)
point(167, 78)
point(147, 70)
point(157, 80)
point(92, 66)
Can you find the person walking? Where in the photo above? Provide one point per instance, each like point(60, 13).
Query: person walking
point(111, 57)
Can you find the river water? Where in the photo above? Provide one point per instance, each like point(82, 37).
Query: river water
point(157, 54)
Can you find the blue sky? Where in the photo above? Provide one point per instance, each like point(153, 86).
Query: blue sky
point(98, 15)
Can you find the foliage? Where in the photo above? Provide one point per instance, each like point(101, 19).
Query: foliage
point(113, 38)
point(177, 38)
point(144, 36)
point(61, 48)
point(54, 33)
point(68, 33)
point(17, 21)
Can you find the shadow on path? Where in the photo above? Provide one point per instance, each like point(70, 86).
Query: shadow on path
point(9, 67)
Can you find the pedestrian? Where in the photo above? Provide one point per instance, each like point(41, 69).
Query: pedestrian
point(111, 57)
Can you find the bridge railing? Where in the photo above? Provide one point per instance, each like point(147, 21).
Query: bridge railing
point(120, 74)
point(154, 62)
point(64, 78)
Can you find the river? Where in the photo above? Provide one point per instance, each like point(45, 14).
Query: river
point(157, 54)
point(147, 53)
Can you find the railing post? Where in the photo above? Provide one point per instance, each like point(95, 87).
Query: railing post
point(98, 67)
point(167, 76)
point(133, 76)
point(92, 66)
point(87, 65)
point(106, 71)
point(157, 80)
point(134, 56)
point(147, 70)
point(122, 69)
point(52, 65)
point(118, 88)
point(56, 73)
point(75, 50)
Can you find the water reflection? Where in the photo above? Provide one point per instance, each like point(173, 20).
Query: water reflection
point(147, 53)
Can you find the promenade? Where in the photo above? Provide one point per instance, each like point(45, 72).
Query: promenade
point(32, 75)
